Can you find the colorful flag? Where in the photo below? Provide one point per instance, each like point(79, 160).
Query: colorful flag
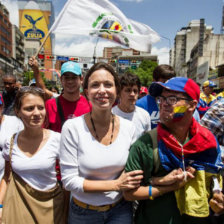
point(102, 18)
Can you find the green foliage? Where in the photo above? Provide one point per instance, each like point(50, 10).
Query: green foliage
point(145, 71)
point(28, 75)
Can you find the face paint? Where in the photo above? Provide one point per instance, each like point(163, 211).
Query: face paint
point(179, 112)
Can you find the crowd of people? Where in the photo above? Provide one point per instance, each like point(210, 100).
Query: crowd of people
point(86, 157)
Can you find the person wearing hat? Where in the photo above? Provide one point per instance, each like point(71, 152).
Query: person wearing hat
point(70, 103)
point(143, 92)
point(206, 97)
point(220, 96)
point(32, 82)
point(178, 145)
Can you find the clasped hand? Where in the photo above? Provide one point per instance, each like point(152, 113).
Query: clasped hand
point(177, 178)
point(129, 180)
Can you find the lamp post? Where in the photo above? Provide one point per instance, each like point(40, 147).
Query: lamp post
point(94, 53)
point(168, 40)
point(169, 47)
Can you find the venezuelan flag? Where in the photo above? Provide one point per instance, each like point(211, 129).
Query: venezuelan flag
point(179, 111)
point(202, 152)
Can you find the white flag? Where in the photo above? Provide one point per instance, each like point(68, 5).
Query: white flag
point(103, 19)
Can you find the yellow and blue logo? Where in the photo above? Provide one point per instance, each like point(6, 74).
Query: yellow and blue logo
point(33, 32)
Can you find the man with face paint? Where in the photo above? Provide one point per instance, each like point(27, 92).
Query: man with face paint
point(179, 143)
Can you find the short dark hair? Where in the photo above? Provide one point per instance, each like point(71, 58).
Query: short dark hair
point(8, 76)
point(163, 72)
point(105, 66)
point(129, 79)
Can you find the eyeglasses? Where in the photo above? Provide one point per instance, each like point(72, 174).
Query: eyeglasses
point(171, 100)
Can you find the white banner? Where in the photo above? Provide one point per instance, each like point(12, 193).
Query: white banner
point(102, 18)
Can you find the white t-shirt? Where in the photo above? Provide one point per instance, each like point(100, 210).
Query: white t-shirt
point(9, 126)
point(82, 156)
point(55, 95)
point(139, 117)
point(39, 170)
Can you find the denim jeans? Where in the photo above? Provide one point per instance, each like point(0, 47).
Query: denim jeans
point(119, 214)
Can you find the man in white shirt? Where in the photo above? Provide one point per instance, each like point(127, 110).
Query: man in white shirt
point(130, 87)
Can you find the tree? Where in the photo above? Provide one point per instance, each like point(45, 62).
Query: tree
point(145, 71)
point(28, 75)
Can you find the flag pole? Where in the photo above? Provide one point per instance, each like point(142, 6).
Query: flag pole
point(94, 53)
point(53, 26)
point(42, 44)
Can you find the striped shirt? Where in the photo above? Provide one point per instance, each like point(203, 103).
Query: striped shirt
point(214, 120)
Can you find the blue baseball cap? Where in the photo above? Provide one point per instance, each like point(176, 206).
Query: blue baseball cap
point(209, 83)
point(72, 67)
point(179, 84)
point(32, 82)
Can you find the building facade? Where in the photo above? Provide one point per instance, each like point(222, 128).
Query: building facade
point(18, 54)
point(201, 67)
point(121, 58)
point(184, 42)
point(5, 43)
point(35, 18)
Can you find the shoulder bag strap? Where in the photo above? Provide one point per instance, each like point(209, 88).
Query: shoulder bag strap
point(60, 111)
point(156, 162)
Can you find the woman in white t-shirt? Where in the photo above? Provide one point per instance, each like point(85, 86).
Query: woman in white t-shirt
point(33, 194)
point(130, 87)
point(93, 153)
point(8, 126)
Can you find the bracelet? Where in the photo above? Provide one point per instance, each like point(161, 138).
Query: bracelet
point(150, 192)
point(1, 205)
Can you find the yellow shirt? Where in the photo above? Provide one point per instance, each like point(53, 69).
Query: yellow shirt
point(207, 99)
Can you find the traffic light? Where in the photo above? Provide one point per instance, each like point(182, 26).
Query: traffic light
point(49, 57)
point(76, 59)
point(114, 60)
point(40, 56)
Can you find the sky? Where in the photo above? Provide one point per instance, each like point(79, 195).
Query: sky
point(166, 17)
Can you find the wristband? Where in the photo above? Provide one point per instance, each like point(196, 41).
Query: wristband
point(1, 206)
point(150, 193)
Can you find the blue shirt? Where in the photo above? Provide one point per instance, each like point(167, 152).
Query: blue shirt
point(149, 104)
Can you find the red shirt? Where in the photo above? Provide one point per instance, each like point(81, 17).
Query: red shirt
point(70, 109)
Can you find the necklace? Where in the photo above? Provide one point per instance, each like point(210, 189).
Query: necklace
point(94, 128)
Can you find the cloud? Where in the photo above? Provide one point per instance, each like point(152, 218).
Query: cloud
point(137, 1)
point(81, 46)
point(12, 7)
point(163, 54)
